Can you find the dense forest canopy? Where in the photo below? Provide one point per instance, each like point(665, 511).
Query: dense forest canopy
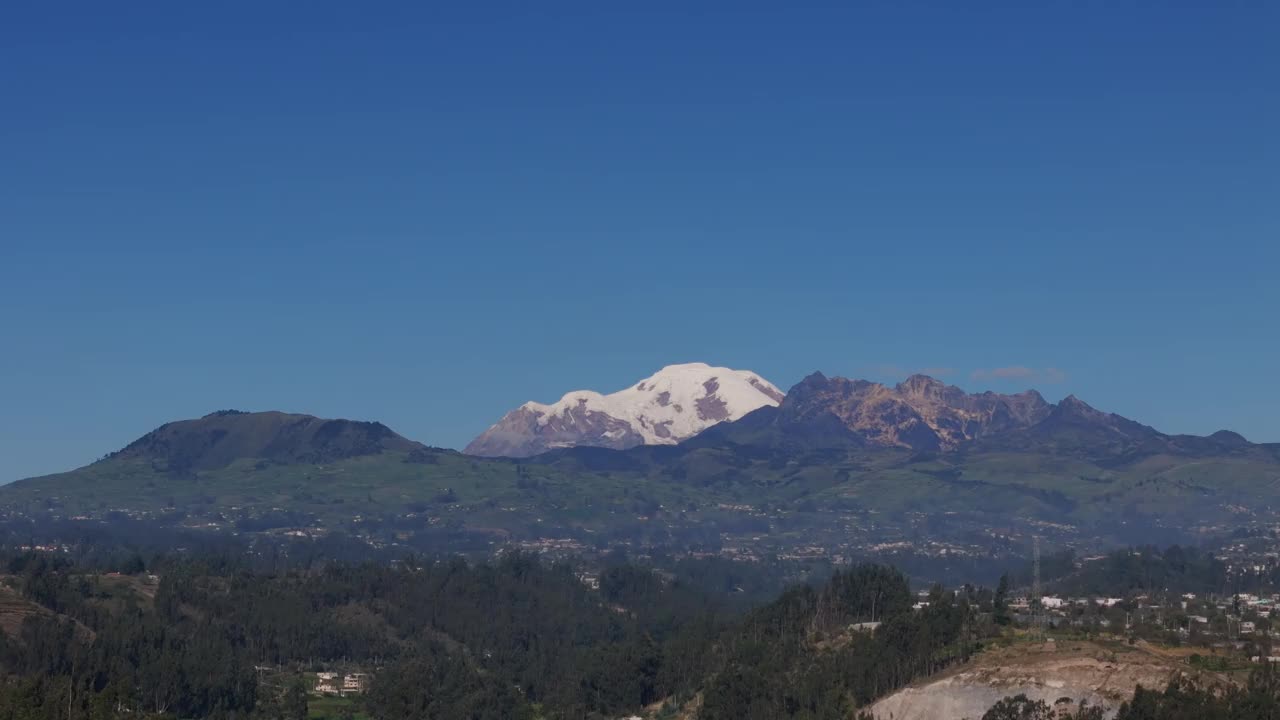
point(516, 637)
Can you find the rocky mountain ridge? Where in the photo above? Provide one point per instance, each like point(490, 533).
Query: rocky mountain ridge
point(923, 414)
point(920, 413)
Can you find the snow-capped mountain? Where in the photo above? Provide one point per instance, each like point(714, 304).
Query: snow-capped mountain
point(677, 402)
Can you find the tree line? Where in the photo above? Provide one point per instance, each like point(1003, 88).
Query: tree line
point(216, 636)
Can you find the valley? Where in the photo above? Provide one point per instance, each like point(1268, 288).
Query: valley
point(811, 479)
point(830, 556)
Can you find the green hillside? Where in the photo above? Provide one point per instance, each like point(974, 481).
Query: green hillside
point(762, 497)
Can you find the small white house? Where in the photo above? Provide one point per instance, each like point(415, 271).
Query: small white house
point(327, 683)
point(355, 683)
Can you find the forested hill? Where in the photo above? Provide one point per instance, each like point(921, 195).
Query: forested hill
point(812, 654)
point(515, 638)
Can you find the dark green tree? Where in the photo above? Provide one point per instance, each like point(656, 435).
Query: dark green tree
point(1000, 605)
point(294, 704)
point(1020, 707)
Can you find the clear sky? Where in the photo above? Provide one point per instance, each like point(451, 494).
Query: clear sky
point(428, 213)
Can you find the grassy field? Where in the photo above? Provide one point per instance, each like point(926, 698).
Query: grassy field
point(334, 708)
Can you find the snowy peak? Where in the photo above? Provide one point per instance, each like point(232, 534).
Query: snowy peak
point(673, 404)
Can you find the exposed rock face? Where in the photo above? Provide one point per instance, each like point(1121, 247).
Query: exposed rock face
point(1074, 427)
point(676, 403)
point(920, 413)
point(1079, 671)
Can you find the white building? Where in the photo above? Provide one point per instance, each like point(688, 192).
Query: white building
point(355, 683)
point(327, 683)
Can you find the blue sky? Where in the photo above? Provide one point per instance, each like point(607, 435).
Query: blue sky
point(427, 214)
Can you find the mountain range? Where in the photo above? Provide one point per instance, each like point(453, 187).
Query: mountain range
point(710, 405)
point(697, 457)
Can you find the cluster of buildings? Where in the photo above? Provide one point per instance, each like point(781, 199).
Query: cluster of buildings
point(553, 546)
point(1053, 602)
point(1234, 621)
point(331, 683)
